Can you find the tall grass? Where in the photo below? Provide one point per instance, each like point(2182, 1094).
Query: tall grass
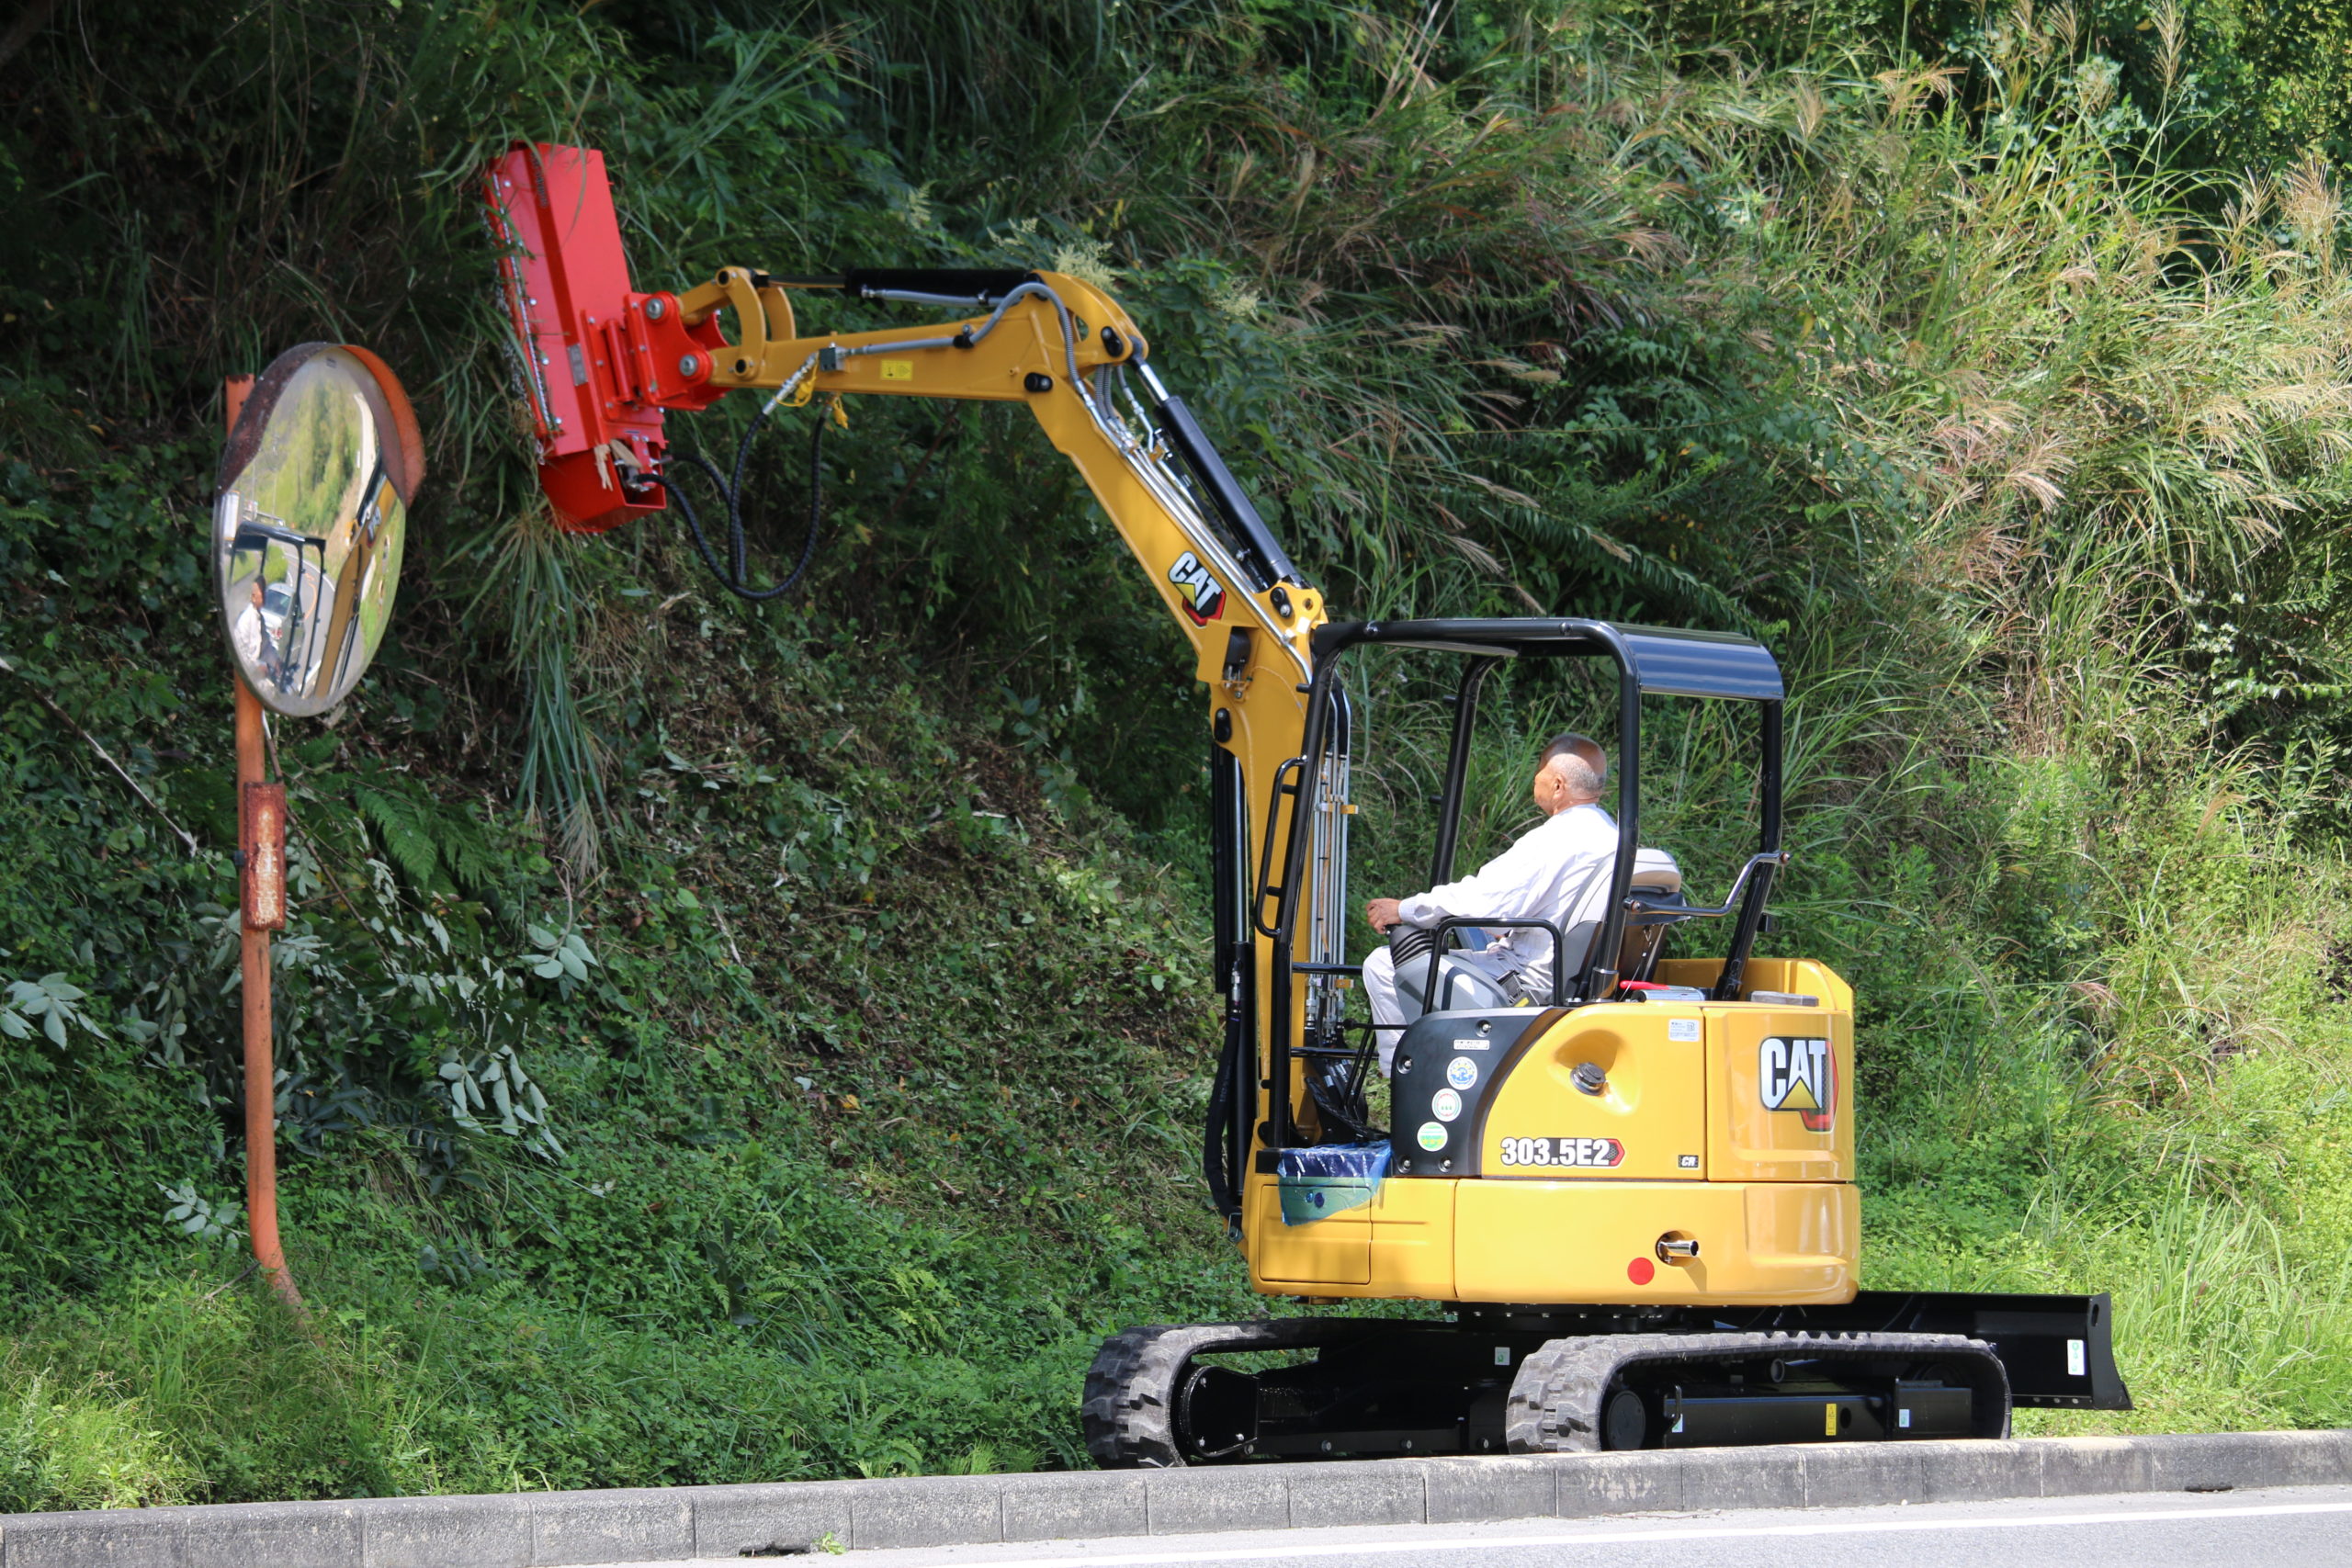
point(82, 1445)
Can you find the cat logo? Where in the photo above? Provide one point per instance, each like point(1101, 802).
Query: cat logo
point(1204, 595)
point(1799, 1075)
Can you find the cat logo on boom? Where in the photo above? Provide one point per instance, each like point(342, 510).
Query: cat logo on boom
point(1799, 1074)
point(1204, 594)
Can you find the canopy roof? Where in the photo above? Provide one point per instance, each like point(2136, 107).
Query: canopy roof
point(1662, 661)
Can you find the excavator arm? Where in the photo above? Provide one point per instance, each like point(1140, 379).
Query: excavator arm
point(604, 362)
point(601, 363)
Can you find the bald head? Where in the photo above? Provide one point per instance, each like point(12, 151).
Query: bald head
point(1570, 773)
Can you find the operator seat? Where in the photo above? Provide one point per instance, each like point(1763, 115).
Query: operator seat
point(1656, 879)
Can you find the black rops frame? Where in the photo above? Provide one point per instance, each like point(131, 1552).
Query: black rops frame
point(1650, 662)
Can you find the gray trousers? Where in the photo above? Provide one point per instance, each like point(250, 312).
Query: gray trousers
point(1464, 980)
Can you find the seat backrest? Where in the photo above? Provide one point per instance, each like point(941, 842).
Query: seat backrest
point(1657, 875)
point(1656, 872)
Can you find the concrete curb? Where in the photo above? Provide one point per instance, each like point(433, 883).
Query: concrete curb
point(547, 1530)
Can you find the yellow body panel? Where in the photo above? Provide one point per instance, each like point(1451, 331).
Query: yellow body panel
point(1653, 1109)
point(1412, 1240)
point(1333, 1251)
point(1752, 1142)
point(1709, 1104)
point(1402, 1242)
point(1575, 1241)
point(1564, 1242)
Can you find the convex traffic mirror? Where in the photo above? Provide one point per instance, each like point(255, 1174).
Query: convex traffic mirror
point(308, 522)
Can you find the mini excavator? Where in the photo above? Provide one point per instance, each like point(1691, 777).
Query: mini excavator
point(1634, 1200)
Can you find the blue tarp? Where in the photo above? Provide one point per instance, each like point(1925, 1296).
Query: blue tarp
point(1319, 1182)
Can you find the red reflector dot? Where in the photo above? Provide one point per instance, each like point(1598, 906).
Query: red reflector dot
point(1641, 1270)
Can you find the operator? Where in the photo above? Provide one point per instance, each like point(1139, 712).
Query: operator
point(1558, 871)
point(252, 636)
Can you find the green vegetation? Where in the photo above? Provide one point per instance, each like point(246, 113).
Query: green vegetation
point(730, 1043)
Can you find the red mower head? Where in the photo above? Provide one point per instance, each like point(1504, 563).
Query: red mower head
point(597, 361)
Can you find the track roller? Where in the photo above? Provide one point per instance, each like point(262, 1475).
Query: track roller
point(1147, 1407)
point(1633, 1391)
point(1384, 1388)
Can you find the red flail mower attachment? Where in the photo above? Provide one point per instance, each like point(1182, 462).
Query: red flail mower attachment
point(597, 361)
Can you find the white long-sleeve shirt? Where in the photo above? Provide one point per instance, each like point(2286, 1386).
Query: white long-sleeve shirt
point(248, 633)
point(1564, 858)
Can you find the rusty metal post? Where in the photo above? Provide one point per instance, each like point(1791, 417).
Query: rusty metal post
point(260, 836)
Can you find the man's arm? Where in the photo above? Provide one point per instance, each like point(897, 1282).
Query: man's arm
point(1504, 888)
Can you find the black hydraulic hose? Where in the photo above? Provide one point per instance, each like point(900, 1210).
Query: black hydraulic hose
point(1261, 552)
point(1216, 1147)
point(731, 490)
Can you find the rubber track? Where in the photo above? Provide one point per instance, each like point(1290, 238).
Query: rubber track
point(1128, 1412)
point(1555, 1405)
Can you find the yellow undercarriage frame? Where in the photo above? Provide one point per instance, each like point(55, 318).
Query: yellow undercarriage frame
point(1714, 1166)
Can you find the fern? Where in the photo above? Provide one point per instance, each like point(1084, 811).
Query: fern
point(439, 848)
point(466, 855)
point(405, 828)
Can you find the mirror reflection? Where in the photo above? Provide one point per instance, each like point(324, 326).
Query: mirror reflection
point(308, 528)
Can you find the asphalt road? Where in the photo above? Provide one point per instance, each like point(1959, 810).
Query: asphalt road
point(2301, 1526)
